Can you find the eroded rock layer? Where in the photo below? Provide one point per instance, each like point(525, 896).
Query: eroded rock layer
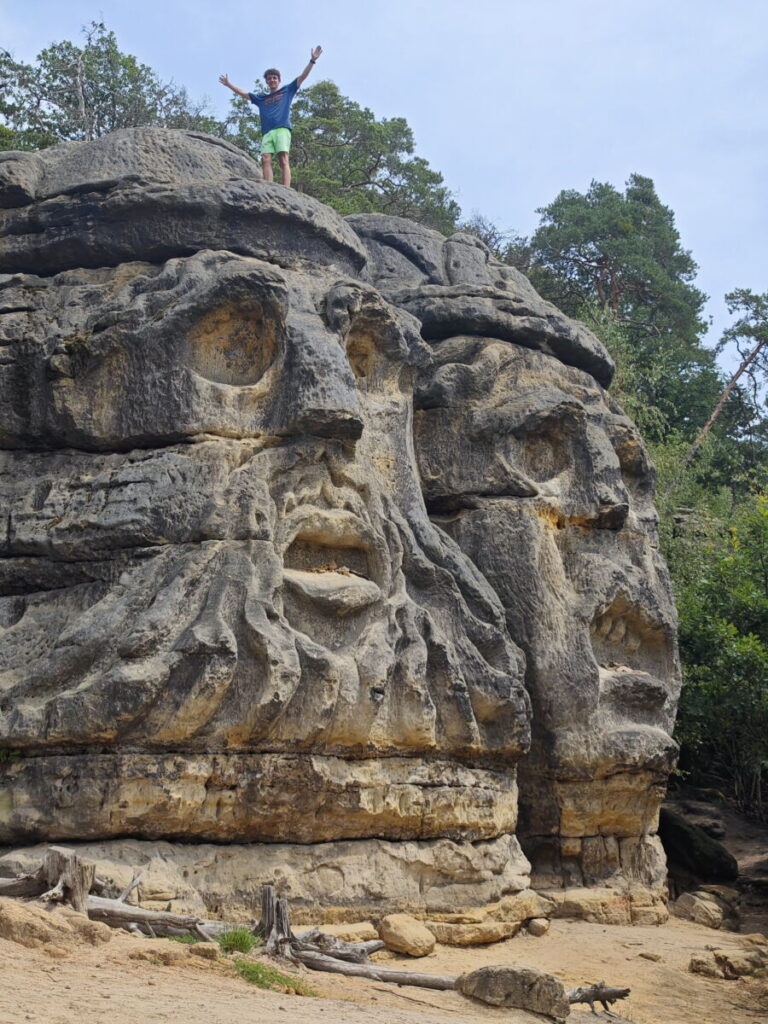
point(247, 596)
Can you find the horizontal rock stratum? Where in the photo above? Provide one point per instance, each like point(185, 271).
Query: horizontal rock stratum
point(318, 532)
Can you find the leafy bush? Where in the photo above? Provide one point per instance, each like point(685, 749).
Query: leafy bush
point(720, 568)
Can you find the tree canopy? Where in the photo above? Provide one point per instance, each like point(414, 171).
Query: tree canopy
point(75, 92)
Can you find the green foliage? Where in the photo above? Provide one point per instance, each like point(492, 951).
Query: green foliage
point(83, 92)
point(720, 566)
point(9, 755)
point(264, 976)
point(237, 940)
point(185, 940)
point(623, 252)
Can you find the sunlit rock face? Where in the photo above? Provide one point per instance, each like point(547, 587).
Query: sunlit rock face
point(225, 612)
point(531, 466)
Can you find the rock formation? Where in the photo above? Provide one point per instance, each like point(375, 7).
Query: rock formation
point(531, 466)
point(226, 613)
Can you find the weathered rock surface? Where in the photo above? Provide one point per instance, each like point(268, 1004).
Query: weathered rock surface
point(343, 880)
point(515, 985)
point(713, 906)
point(529, 464)
point(480, 934)
point(601, 905)
point(245, 597)
point(153, 194)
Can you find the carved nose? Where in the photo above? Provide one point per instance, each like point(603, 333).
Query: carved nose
point(319, 393)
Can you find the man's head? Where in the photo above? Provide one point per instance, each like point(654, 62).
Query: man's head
point(272, 78)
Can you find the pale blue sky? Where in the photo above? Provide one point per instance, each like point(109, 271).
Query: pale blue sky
point(511, 101)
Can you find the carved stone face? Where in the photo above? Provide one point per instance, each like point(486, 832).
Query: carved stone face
point(526, 461)
point(546, 485)
point(220, 551)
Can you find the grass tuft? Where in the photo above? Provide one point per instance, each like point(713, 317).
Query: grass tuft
point(270, 978)
point(237, 940)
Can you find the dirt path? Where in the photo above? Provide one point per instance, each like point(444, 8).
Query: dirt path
point(105, 985)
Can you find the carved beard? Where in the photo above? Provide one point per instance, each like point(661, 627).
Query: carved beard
point(297, 610)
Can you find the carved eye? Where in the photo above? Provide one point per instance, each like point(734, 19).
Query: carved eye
point(235, 342)
point(362, 352)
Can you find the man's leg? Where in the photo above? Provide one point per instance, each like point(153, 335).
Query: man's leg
point(285, 168)
point(266, 166)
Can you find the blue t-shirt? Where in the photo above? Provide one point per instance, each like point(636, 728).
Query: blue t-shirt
point(275, 107)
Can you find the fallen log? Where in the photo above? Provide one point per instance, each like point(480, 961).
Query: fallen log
point(597, 993)
point(320, 962)
point(353, 952)
point(122, 915)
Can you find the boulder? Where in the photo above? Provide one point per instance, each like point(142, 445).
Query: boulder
point(538, 926)
point(700, 907)
point(689, 847)
point(404, 934)
point(713, 906)
point(518, 986)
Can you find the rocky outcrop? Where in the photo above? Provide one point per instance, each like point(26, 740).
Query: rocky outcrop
point(249, 596)
point(528, 463)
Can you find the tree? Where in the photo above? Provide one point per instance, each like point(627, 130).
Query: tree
point(720, 566)
point(750, 335)
point(623, 252)
point(74, 93)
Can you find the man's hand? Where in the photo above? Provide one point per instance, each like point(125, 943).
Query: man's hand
point(224, 79)
point(313, 55)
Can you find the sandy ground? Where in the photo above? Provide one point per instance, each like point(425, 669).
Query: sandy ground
point(104, 985)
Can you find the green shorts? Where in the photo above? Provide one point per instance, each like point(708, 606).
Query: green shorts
point(277, 141)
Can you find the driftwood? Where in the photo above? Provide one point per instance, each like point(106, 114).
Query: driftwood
point(118, 914)
point(598, 993)
point(321, 962)
point(353, 952)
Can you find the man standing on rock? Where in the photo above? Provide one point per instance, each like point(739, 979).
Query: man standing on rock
point(275, 110)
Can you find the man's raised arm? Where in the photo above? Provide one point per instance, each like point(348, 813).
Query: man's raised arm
point(224, 79)
point(312, 60)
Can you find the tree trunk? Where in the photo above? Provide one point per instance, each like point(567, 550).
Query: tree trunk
point(727, 392)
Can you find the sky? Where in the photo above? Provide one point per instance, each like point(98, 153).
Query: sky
point(510, 100)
